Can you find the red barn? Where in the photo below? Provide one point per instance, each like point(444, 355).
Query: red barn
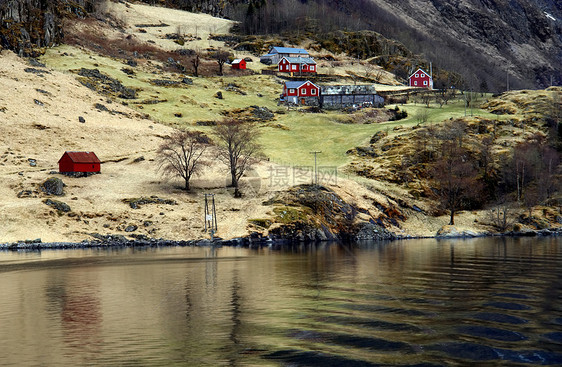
point(297, 65)
point(239, 64)
point(301, 92)
point(420, 79)
point(79, 162)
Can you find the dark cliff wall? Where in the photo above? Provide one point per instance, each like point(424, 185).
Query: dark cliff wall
point(26, 25)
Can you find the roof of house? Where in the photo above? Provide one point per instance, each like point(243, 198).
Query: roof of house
point(237, 61)
point(348, 89)
point(300, 60)
point(288, 50)
point(298, 84)
point(417, 71)
point(82, 157)
point(294, 85)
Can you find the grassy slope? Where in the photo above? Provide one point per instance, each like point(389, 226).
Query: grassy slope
point(302, 132)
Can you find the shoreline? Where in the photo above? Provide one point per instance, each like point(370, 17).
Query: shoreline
point(247, 241)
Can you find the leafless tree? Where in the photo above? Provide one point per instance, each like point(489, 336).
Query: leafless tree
point(501, 216)
point(180, 154)
point(221, 57)
point(369, 69)
point(238, 148)
point(455, 177)
point(426, 99)
point(196, 61)
point(422, 115)
point(379, 76)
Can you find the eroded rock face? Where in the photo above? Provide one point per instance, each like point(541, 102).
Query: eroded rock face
point(26, 25)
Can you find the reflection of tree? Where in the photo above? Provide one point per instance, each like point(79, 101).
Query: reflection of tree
point(235, 330)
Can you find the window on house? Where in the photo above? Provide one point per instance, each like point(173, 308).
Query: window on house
point(417, 75)
point(294, 67)
point(313, 92)
point(425, 82)
point(304, 91)
point(415, 82)
point(291, 91)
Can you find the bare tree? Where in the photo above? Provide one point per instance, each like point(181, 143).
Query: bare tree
point(180, 154)
point(501, 216)
point(369, 69)
point(455, 177)
point(422, 115)
point(238, 148)
point(221, 57)
point(196, 61)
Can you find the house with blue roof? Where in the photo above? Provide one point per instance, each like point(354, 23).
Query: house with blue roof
point(277, 53)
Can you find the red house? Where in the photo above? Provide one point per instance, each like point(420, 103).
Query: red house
point(301, 93)
point(420, 79)
point(79, 162)
point(239, 64)
point(298, 65)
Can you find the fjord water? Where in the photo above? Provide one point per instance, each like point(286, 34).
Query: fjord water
point(483, 302)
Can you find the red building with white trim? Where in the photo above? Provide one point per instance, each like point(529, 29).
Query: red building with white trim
point(239, 64)
point(297, 65)
point(304, 93)
point(420, 79)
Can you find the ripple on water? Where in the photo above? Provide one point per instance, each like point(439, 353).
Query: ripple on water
point(499, 317)
point(512, 295)
point(531, 356)
point(372, 324)
point(554, 336)
point(508, 305)
point(470, 351)
point(308, 358)
point(353, 341)
point(491, 333)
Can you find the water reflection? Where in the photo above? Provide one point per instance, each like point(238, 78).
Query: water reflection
point(494, 301)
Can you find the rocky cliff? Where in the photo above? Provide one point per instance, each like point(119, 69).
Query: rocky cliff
point(26, 25)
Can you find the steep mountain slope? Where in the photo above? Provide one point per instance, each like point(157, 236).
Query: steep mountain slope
point(522, 38)
point(488, 41)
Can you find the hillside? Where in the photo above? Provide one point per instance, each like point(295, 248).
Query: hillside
point(152, 90)
point(483, 41)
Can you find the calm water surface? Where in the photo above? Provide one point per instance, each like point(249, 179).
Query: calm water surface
point(483, 302)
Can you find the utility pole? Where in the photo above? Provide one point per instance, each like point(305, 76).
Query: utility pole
point(315, 167)
point(210, 215)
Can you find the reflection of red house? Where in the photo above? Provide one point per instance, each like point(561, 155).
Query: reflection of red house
point(239, 64)
point(420, 79)
point(79, 162)
point(297, 65)
point(300, 92)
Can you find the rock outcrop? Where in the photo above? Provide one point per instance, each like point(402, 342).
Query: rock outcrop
point(26, 25)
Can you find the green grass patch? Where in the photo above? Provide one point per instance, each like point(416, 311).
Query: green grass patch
point(291, 145)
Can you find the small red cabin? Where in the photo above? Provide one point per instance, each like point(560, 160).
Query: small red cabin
point(79, 162)
point(239, 64)
point(420, 79)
